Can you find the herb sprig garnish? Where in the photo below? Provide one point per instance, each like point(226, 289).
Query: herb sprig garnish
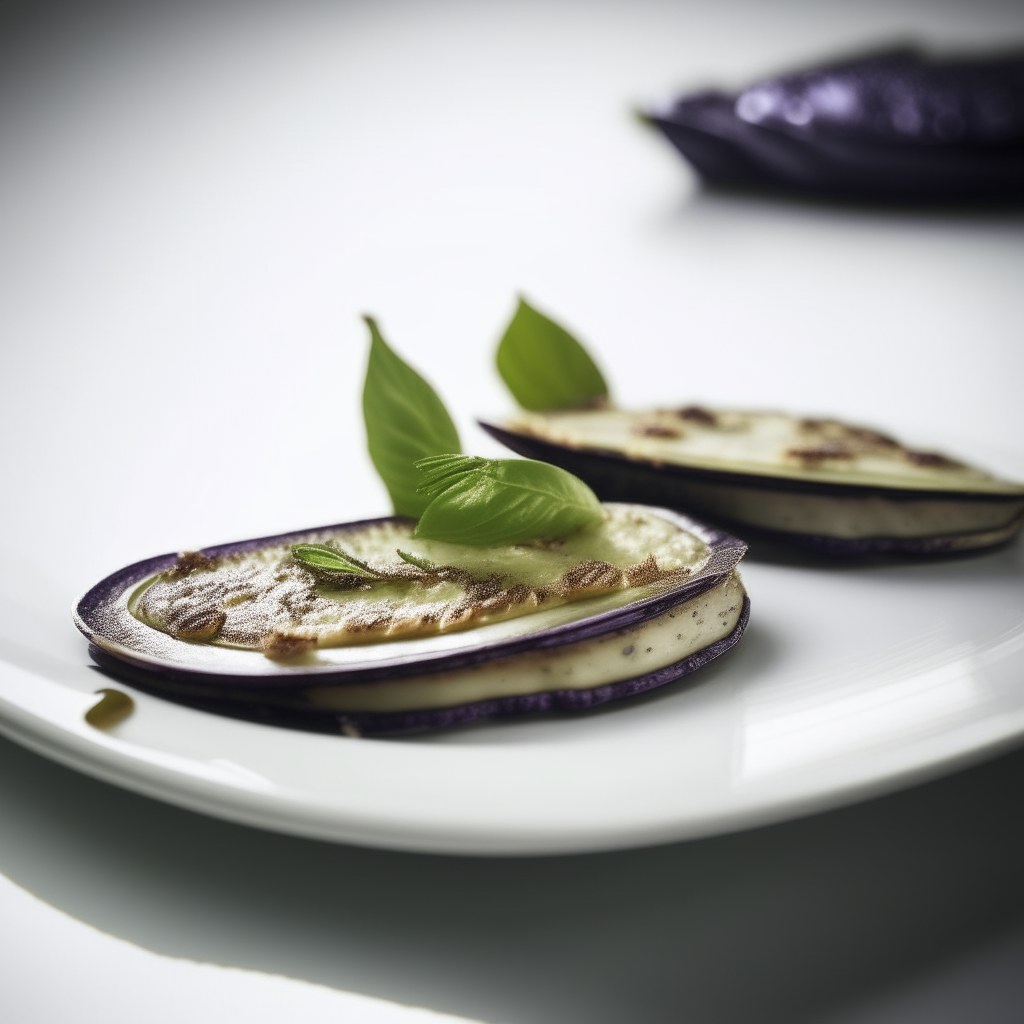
point(486, 502)
point(331, 563)
point(545, 367)
point(328, 561)
point(405, 421)
point(421, 563)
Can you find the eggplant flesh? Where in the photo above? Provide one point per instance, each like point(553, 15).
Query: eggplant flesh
point(813, 482)
point(585, 665)
point(570, 678)
point(893, 126)
point(596, 646)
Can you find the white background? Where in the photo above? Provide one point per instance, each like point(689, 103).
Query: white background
point(209, 198)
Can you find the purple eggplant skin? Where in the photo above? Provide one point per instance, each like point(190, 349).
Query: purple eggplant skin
point(256, 707)
point(893, 127)
point(616, 477)
point(119, 647)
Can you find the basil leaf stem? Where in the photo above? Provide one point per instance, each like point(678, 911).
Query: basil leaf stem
point(485, 502)
point(405, 421)
point(545, 367)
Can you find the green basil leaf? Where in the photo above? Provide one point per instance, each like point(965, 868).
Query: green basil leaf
point(405, 422)
point(437, 473)
point(325, 559)
point(421, 563)
point(484, 502)
point(545, 367)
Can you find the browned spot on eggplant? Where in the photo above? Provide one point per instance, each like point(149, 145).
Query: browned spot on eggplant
point(286, 645)
point(374, 618)
point(187, 563)
point(657, 430)
point(820, 452)
point(647, 571)
point(502, 600)
point(590, 575)
point(858, 438)
point(812, 425)
point(872, 437)
point(932, 460)
point(202, 625)
point(697, 414)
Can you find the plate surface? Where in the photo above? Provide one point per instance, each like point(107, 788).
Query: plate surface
point(192, 217)
point(848, 682)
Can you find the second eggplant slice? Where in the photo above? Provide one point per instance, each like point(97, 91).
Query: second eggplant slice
point(817, 483)
point(442, 634)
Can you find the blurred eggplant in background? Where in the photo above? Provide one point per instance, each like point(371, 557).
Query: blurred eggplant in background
point(897, 126)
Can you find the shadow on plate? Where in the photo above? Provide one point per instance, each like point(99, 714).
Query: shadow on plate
point(783, 924)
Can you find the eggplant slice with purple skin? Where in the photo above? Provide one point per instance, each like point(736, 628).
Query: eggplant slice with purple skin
point(816, 484)
point(244, 630)
point(892, 127)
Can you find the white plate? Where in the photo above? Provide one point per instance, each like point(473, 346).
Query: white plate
point(848, 682)
point(193, 220)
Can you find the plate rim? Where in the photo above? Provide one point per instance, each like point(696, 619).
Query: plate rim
point(228, 800)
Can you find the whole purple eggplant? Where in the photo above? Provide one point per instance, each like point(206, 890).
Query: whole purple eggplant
point(896, 126)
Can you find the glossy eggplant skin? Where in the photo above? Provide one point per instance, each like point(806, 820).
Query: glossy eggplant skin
point(158, 664)
point(893, 127)
point(616, 477)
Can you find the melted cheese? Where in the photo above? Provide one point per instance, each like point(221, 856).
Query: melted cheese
point(264, 600)
point(763, 444)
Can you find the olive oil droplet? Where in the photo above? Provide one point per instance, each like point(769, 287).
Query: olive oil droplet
point(111, 710)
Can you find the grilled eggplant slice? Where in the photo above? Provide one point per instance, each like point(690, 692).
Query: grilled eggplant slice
point(894, 126)
point(817, 483)
point(427, 633)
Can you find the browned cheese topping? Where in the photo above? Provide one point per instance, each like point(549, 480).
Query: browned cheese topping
point(763, 443)
point(265, 600)
point(828, 440)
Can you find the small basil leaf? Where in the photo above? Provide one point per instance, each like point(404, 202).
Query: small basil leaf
point(325, 559)
point(405, 421)
point(505, 501)
point(545, 367)
point(421, 563)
